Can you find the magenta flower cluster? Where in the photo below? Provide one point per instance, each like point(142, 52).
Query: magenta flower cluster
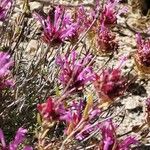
point(106, 42)
point(110, 83)
point(58, 26)
point(50, 110)
point(14, 145)
point(5, 75)
point(74, 72)
point(109, 14)
point(110, 140)
point(143, 50)
point(83, 19)
point(4, 8)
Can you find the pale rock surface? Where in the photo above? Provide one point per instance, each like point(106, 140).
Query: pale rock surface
point(32, 47)
point(35, 5)
point(132, 103)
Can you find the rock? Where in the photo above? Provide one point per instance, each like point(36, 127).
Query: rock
point(32, 46)
point(132, 103)
point(35, 5)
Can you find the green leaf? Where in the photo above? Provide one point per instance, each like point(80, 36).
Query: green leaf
point(57, 91)
point(39, 121)
point(88, 106)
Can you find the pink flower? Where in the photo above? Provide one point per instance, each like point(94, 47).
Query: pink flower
point(50, 110)
point(127, 142)
point(19, 138)
point(143, 50)
point(110, 140)
point(4, 8)
point(57, 26)
point(75, 72)
point(108, 136)
point(74, 114)
point(110, 84)
point(2, 140)
point(5, 65)
point(106, 42)
point(109, 14)
point(88, 128)
point(83, 19)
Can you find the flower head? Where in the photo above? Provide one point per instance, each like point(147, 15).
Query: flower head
point(110, 84)
point(110, 140)
point(4, 7)
point(72, 115)
point(57, 26)
point(88, 127)
point(75, 72)
point(49, 110)
point(143, 50)
point(106, 40)
point(125, 144)
point(2, 139)
point(108, 135)
point(5, 65)
point(83, 18)
point(109, 14)
point(19, 138)
point(46, 109)
point(77, 111)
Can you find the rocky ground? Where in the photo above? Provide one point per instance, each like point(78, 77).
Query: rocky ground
point(131, 108)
